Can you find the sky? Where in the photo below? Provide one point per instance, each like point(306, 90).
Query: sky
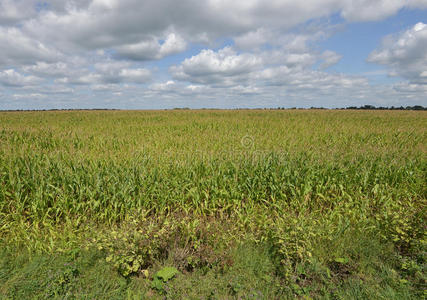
point(159, 54)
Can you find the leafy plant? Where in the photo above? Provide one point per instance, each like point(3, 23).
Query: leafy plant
point(162, 277)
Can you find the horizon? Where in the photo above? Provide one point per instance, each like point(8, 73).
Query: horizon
point(363, 107)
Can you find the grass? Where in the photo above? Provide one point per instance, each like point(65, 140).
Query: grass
point(245, 204)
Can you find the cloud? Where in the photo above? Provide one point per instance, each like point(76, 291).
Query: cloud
point(408, 88)
point(29, 96)
point(91, 78)
point(227, 67)
point(254, 39)
point(221, 67)
point(169, 86)
point(270, 73)
point(147, 30)
point(42, 68)
point(416, 4)
point(139, 75)
point(329, 58)
point(109, 74)
point(17, 48)
point(109, 87)
point(135, 27)
point(152, 49)
point(374, 10)
point(404, 54)
point(14, 11)
point(12, 78)
point(370, 10)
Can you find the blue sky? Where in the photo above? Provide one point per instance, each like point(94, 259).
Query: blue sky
point(134, 54)
point(357, 40)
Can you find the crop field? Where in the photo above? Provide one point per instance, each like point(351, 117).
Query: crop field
point(213, 204)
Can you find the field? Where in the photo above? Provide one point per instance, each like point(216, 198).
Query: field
point(251, 204)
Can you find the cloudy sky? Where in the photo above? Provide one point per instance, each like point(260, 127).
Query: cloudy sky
point(144, 54)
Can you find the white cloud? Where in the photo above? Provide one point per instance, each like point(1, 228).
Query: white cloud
point(152, 49)
point(226, 67)
point(147, 30)
point(173, 44)
point(110, 75)
point(14, 11)
point(135, 27)
point(90, 78)
point(254, 39)
point(309, 79)
point(48, 69)
point(168, 86)
point(12, 78)
point(29, 96)
point(374, 10)
point(371, 10)
point(105, 87)
point(409, 88)
point(404, 54)
point(221, 67)
point(329, 58)
point(270, 73)
point(139, 75)
point(111, 66)
point(17, 48)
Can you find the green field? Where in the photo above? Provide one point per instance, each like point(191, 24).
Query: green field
point(251, 204)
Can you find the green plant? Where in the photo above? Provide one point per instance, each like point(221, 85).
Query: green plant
point(162, 277)
point(61, 280)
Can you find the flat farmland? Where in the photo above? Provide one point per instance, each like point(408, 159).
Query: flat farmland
point(245, 204)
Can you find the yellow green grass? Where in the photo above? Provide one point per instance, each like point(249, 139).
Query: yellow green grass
point(261, 204)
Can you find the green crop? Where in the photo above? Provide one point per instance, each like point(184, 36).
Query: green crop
point(190, 186)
